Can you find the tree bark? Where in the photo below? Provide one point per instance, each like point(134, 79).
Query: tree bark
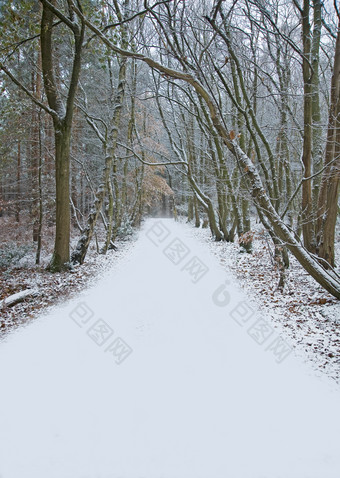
point(329, 190)
point(62, 121)
point(307, 205)
point(18, 205)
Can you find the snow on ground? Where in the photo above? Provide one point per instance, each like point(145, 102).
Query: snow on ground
point(163, 369)
point(52, 288)
point(305, 313)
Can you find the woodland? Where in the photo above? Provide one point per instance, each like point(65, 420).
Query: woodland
point(223, 112)
point(169, 238)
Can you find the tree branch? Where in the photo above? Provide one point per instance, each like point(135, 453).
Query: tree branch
point(59, 14)
point(48, 110)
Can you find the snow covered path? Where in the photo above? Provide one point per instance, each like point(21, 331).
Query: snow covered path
point(158, 372)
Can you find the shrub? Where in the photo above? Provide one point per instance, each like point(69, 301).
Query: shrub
point(125, 230)
point(11, 253)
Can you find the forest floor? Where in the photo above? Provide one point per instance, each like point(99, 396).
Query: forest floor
point(158, 370)
point(53, 288)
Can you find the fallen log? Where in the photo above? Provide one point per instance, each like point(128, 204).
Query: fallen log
point(18, 297)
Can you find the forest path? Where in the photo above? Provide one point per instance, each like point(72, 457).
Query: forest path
point(195, 394)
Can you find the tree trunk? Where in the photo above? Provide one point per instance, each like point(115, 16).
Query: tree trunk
point(61, 255)
point(307, 205)
point(62, 116)
point(40, 195)
point(114, 212)
point(329, 191)
point(197, 215)
point(18, 202)
point(316, 111)
point(79, 254)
